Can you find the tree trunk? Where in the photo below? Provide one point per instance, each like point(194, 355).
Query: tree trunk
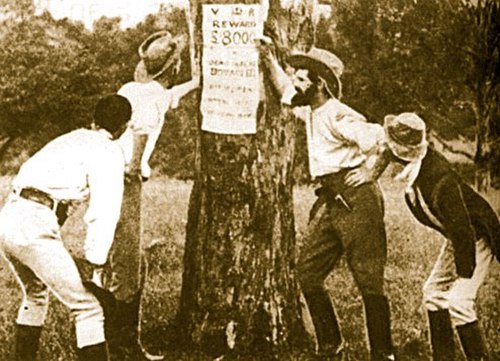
point(239, 293)
point(486, 65)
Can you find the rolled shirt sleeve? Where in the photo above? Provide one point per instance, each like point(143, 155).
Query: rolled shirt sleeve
point(105, 180)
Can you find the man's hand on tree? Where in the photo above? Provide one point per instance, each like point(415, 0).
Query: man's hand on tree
point(265, 47)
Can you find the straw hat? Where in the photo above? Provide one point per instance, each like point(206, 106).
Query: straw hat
point(158, 52)
point(405, 136)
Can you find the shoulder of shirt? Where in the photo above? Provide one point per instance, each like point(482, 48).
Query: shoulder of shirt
point(345, 110)
point(133, 86)
point(108, 149)
point(94, 140)
point(93, 135)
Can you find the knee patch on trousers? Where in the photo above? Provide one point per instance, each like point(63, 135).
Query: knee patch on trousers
point(33, 311)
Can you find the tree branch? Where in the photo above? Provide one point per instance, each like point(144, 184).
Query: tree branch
point(448, 147)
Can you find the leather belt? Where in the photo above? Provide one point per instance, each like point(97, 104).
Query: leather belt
point(38, 196)
point(60, 208)
point(332, 188)
point(335, 181)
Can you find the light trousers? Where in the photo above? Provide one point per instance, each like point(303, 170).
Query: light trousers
point(30, 240)
point(445, 290)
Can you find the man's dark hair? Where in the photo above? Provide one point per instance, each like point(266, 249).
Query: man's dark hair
point(314, 76)
point(112, 112)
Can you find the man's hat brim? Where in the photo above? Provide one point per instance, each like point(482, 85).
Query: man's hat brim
point(141, 73)
point(305, 61)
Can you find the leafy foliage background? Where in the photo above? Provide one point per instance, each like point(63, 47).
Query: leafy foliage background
point(399, 56)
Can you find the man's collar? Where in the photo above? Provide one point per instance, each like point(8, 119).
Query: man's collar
point(324, 106)
point(104, 132)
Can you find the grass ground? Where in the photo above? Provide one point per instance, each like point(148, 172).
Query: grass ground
point(412, 251)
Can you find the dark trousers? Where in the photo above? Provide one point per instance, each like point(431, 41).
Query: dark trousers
point(352, 224)
point(355, 228)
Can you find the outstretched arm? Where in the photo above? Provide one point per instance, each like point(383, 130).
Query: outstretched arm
point(281, 81)
point(182, 89)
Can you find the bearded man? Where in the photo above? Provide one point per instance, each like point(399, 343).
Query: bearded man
point(348, 217)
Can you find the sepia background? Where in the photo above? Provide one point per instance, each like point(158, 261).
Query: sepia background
point(439, 58)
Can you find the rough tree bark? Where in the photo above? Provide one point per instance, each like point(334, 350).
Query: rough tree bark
point(485, 57)
point(238, 292)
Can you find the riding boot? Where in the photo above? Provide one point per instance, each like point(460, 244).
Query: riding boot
point(472, 342)
point(378, 324)
point(441, 333)
point(123, 332)
point(325, 322)
point(97, 352)
point(27, 342)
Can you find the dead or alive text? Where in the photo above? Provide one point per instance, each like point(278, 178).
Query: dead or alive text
point(233, 63)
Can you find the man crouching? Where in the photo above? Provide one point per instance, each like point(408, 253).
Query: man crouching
point(85, 163)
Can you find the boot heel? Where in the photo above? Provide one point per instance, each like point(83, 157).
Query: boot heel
point(97, 352)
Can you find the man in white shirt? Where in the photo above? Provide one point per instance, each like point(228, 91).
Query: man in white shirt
point(347, 217)
point(83, 164)
point(152, 93)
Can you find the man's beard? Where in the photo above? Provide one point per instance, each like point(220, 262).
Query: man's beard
point(303, 98)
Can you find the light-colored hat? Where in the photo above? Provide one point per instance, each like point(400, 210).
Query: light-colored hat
point(325, 63)
point(406, 136)
point(158, 52)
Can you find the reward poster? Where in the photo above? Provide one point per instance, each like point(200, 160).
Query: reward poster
point(230, 94)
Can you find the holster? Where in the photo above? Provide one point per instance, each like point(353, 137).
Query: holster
point(331, 191)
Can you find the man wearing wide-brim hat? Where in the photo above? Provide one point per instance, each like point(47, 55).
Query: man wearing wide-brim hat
point(152, 93)
point(440, 199)
point(344, 219)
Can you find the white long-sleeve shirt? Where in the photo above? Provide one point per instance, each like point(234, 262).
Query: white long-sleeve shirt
point(338, 137)
point(150, 101)
point(79, 165)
